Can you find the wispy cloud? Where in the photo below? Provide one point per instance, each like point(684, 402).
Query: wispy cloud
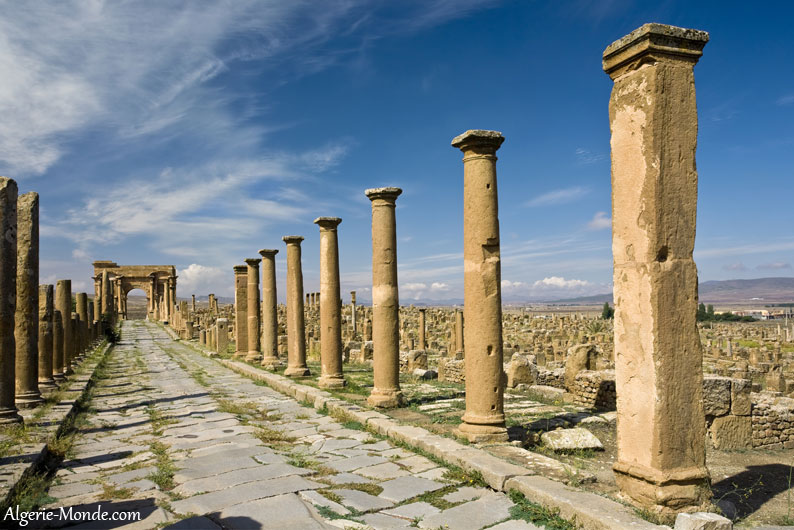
point(787, 99)
point(561, 196)
point(585, 156)
point(774, 266)
point(741, 250)
point(736, 267)
point(600, 221)
point(560, 283)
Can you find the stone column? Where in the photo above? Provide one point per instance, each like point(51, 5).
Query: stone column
point(254, 310)
point(46, 380)
point(296, 324)
point(193, 303)
point(353, 312)
point(63, 303)
point(240, 311)
point(658, 357)
point(98, 295)
point(81, 304)
point(58, 365)
point(269, 309)
point(459, 338)
point(422, 339)
point(385, 300)
point(484, 419)
point(107, 298)
point(26, 329)
point(330, 308)
point(8, 289)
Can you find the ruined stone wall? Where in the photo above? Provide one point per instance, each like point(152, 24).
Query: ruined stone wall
point(554, 378)
point(595, 389)
point(772, 421)
point(451, 370)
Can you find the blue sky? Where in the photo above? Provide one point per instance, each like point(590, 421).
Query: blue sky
point(196, 133)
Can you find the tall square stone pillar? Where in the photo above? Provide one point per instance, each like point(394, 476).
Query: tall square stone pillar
point(240, 311)
point(484, 419)
point(385, 300)
point(330, 306)
point(296, 320)
point(658, 358)
point(254, 310)
point(269, 309)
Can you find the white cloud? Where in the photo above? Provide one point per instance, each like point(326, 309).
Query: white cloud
point(560, 196)
point(600, 221)
point(507, 284)
point(776, 265)
point(787, 99)
point(439, 286)
point(742, 250)
point(414, 287)
point(200, 279)
point(560, 282)
point(80, 254)
point(739, 266)
point(585, 156)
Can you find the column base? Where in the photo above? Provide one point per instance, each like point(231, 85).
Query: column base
point(331, 381)
point(297, 371)
point(386, 399)
point(239, 355)
point(28, 400)
point(253, 357)
point(664, 492)
point(47, 384)
point(477, 433)
point(59, 378)
point(68, 371)
point(270, 363)
point(9, 416)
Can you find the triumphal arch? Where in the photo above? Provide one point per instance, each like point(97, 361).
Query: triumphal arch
point(157, 281)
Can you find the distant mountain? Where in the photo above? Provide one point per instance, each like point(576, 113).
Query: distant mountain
point(760, 290)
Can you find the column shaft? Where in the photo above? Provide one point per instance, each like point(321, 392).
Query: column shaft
point(8, 298)
point(254, 310)
point(240, 311)
point(330, 308)
point(63, 302)
point(296, 324)
point(45, 338)
point(269, 309)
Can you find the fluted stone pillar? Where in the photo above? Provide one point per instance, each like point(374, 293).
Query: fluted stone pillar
point(46, 300)
point(296, 324)
point(8, 299)
point(330, 308)
point(459, 337)
point(240, 311)
point(81, 303)
point(269, 309)
point(254, 310)
point(385, 300)
point(63, 303)
point(658, 357)
point(484, 419)
point(422, 339)
point(26, 330)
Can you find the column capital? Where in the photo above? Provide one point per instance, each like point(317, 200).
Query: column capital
point(486, 142)
point(652, 43)
point(240, 269)
point(292, 240)
point(253, 262)
point(387, 194)
point(268, 252)
point(327, 223)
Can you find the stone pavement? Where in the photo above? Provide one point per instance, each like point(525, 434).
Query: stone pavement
point(190, 444)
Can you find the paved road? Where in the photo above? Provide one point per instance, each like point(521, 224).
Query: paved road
point(189, 444)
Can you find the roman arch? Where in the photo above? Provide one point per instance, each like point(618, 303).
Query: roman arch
point(157, 281)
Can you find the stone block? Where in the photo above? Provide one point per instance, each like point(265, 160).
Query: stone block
point(521, 370)
point(741, 403)
point(716, 395)
point(571, 440)
point(731, 432)
point(702, 521)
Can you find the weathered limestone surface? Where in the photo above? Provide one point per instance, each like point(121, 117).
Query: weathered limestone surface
point(385, 300)
point(63, 303)
point(254, 310)
point(269, 309)
point(330, 305)
point(45, 337)
point(296, 323)
point(658, 357)
point(241, 311)
point(58, 369)
point(26, 330)
point(8, 298)
point(484, 419)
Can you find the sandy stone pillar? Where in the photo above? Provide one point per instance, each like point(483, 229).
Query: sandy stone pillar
point(26, 330)
point(107, 297)
point(254, 310)
point(658, 357)
point(8, 299)
point(269, 309)
point(385, 300)
point(484, 419)
point(58, 365)
point(296, 323)
point(353, 313)
point(240, 311)
point(63, 303)
point(330, 308)
point(81, 303)
point(422, 339)
point(98, 296)
point(459, 351)
point(193, 303)
point(46, 380)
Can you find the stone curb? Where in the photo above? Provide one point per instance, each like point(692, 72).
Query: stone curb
point(35, 454)
point(587, 510)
